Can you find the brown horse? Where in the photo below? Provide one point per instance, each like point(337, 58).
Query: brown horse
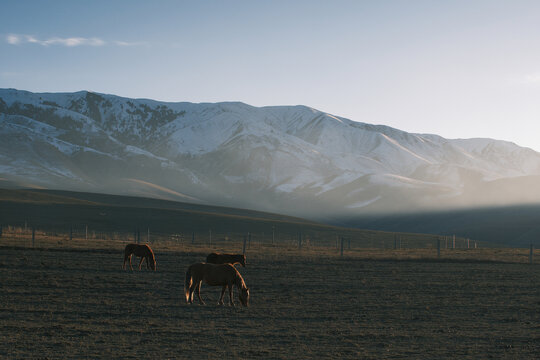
point(224, 275)
point(143, 251)
point(216, 258)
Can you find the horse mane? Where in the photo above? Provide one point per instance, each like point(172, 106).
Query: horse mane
point(150, 252)
point(239, 280)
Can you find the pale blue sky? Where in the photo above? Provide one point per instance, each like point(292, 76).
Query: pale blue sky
point(455, 68)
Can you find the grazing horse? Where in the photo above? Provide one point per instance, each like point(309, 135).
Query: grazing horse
point(216, 258)
point(224, 275)
point(142, 251)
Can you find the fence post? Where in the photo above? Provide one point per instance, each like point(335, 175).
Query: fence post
point(70, 232)
point(86, 233)
point(249, 240)
point(299, 240)
point(531, 252)
point(454, 242)
point(468, 243)
point(273, 233)
point(244, 247)
point(395, 241)
point(33, 237)
point(438, 247)
point(341, 246)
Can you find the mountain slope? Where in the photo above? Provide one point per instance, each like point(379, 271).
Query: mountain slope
point(289, 159)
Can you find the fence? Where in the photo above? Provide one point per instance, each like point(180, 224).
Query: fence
point(341, 244)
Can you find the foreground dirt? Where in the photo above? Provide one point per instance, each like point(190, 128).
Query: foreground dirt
point(62, 303)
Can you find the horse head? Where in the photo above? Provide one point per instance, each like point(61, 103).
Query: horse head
point(153, 262)
point(244, 296)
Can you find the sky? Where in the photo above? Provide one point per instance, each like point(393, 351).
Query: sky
point(459, 69)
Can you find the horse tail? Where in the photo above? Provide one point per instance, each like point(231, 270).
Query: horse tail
point(187, 283)
point(127, 250)
point(127, 254)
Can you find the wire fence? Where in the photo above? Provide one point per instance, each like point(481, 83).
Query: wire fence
point(359, 244)
point(375, 240)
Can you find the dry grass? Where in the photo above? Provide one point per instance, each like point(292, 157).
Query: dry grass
point(17, 237)
point(62, 300)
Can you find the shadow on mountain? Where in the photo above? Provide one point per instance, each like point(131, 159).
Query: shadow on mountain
point(509, 225)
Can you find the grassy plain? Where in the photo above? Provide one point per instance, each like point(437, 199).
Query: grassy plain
point(63, 300)
point(98, 216)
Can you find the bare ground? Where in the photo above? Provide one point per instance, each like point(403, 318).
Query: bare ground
point(78, 303)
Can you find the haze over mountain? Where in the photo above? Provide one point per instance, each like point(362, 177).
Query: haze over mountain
point(287, 159)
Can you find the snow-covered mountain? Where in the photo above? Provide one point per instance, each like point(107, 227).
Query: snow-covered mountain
point(289, 159)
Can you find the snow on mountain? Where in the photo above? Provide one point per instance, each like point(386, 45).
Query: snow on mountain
point(291, 159)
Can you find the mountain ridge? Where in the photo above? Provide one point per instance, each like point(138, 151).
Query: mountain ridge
point(290, 159)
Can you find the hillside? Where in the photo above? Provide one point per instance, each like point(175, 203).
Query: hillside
point(292, 160)
point(515, 226)
point(62, 212)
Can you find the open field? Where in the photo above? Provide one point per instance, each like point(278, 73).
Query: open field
point(58, 301)
point(119, 217)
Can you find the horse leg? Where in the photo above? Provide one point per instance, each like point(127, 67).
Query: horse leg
point(199, 293)
point(192, 286)
point(220, 302)
point(191, 290)
point(140, 263)
point(231, 294)
point(131, 267)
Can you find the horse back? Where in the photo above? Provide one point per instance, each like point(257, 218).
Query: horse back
point(212, 258)
point(138, 249)
point(213, 274)
point(130, 248)
point(215, 258)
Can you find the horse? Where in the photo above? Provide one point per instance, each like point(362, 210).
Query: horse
point(216, 258)
point(224, 275)
point(143, 251)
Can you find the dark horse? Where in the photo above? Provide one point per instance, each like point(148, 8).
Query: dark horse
point(224, 275)
point(216, 258)
point(143, 251)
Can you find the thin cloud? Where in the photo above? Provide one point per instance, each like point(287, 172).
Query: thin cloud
point(13, 39)
point(128, 43)
point(73, 41)
point(17, 39)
